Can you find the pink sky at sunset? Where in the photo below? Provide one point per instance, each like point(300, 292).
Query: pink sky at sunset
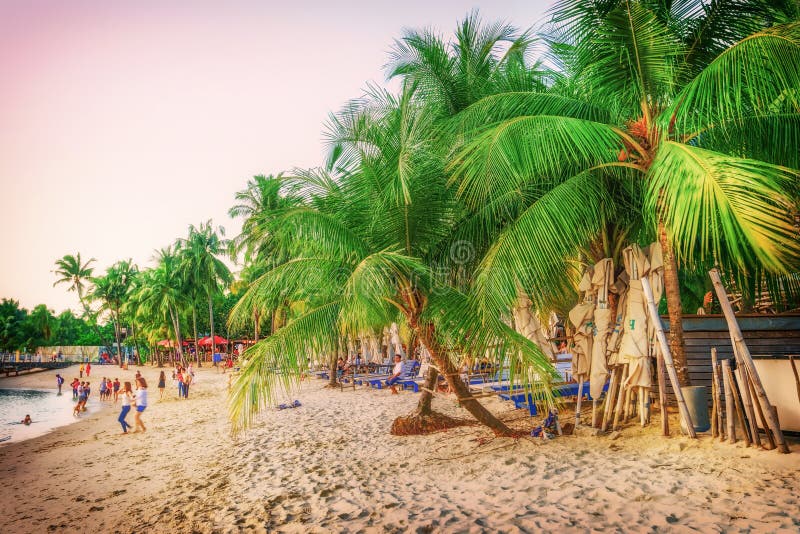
point(125, 122)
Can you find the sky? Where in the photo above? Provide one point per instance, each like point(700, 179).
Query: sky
point(122, 123)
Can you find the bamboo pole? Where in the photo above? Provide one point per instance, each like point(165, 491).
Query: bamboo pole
point(673, 375)
point(714, 408)
point(578, 404)
point(620, 398)
point(738, 403)
point(748, 404)
point(718, 399)
point(594, 413)
point(796, 376)
point(770, 438)
point(662, 393)
point(611, 398)
point(728, 403)
point(738, 341)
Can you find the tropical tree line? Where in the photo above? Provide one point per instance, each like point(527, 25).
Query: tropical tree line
point(509, 162)
point(25, 330)
point(183, 296)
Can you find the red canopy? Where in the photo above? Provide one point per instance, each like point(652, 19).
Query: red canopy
point(206, 341)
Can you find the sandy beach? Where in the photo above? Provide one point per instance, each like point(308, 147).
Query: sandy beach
point(331, 466)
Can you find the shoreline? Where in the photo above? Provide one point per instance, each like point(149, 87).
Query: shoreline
point(331, 465)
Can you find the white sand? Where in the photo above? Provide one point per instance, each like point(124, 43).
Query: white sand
point(331, 466)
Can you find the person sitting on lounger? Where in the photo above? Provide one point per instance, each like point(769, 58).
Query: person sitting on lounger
point(396, 372)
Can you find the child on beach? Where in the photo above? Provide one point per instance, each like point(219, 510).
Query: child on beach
point(103, 390)
point(75, 385)
point(27, 420)
point(116, 390)
point(141, 403)
point(88, 369)
point(59, 382)
point(127, 400)
point(81, 369)
point(162, 383)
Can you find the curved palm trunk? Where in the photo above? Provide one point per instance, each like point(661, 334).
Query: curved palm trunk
point(179, 345)
point(673, 293)
point(475, 408)
point(424, 404)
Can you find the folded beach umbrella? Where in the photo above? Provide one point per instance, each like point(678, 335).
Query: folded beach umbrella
point(634, 344)
point(581, 318)
point(620, 289)
point(656, 279)
point(603, 319)
point(396, 344)
point(527, 323)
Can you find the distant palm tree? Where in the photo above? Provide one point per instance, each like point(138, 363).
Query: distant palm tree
point(202, 269)
point(112, 291)
point(73, 271)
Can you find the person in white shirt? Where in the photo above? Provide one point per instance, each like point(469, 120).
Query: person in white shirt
point(396, 372)
point(127, 399)
point(141, 403)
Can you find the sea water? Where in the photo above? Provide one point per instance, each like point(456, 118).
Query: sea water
point(47, 409)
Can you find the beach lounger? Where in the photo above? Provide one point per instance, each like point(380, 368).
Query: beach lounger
point(409, 372)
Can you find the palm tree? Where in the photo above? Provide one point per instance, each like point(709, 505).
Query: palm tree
point(162, 294)
point(675, 121)
point(73, 271)
point(361, 261)
point(112, 291)
point(43, 321)
point(203, 270)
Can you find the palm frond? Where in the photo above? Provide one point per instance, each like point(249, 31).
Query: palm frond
point(739, 210)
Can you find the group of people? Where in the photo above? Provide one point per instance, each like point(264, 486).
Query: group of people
point(109, 388)
point(184, 376)
point(85, 369)
point(130, 399)
point(81, 392)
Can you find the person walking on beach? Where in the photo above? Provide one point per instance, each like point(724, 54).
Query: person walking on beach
point(127, 400)
point(116, 390)
point(187, 379)
point(81, 369)
point(179, 378)
point(103, 389)
point(162, 383)
point(141, 403)
point(59, 382)
point(88, 369)
point(75, 385)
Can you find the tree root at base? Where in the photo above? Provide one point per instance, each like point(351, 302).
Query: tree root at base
point(417, 424)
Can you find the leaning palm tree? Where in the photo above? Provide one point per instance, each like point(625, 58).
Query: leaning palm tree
point(675, 121)
point(361, 262)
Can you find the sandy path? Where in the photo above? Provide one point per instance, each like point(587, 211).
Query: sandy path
point(330, 466)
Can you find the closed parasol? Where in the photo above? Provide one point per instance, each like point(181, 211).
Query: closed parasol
point(603, 320)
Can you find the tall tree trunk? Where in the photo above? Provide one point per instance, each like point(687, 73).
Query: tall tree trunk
point(672, 290)
point(194, 325)
point(136, 341)
point(332, 382)
point(475, 408)
point(179, 345)
point(117, 334)
point(256, 320)
point(211, 321)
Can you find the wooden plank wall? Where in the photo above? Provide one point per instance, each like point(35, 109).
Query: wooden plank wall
point(767, 336)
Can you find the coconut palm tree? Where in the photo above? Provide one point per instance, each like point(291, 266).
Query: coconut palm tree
point(675, 121)
point(112, 291)
point(360, 261)
point(204, 273)
point(162, 293)
point(77, 273)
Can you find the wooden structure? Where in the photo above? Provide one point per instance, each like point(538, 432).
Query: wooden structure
point(771, 339)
